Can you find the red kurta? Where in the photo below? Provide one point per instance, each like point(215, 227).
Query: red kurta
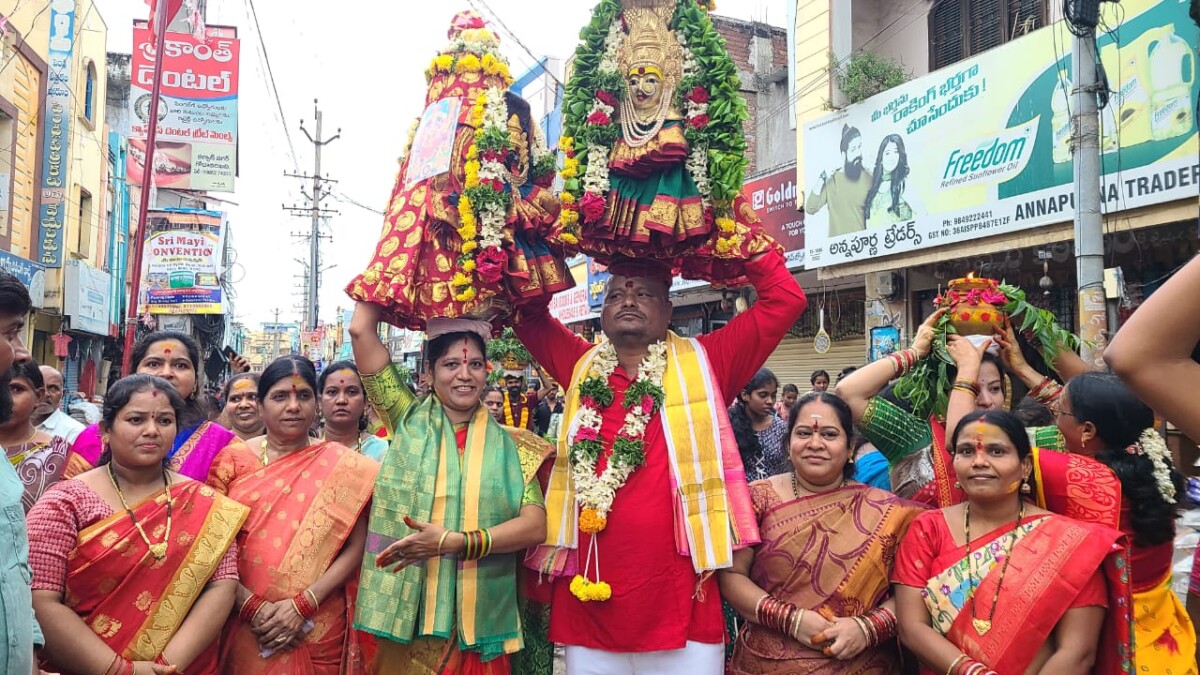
point(655, 605)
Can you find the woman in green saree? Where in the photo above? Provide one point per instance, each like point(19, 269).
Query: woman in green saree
point(456, 503)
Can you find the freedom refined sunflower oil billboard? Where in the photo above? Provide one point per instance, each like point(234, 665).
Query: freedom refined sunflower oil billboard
point(983, 147)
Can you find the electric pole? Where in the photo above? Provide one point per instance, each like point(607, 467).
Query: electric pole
point(313, 285)
point(275, 330)
point(1089, 227)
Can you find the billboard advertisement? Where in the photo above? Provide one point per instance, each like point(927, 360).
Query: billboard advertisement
point(57, 144)
point(196, 146)
point(181, 264)
point(773, 197)
point(983, 147)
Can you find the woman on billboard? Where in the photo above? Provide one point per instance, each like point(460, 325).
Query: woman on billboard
point(886, 203)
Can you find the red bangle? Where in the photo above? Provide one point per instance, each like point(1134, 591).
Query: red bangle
point(250, 608)
point(303, 605)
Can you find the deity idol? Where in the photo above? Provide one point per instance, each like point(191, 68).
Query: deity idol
point(466, 225)
point(654, 146)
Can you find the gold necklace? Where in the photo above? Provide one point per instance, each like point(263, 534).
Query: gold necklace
point(159, 550)
point(982, 626)
point(265, 459)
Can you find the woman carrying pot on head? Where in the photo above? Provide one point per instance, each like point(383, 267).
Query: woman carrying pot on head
point(134, 565)
point(451, 553)
point(241, 413)
point(998, 585)
point(175, 357)
point(815, 592)
point(38, 457)
point(303, 541)
point(344, 410)
point(921, 463)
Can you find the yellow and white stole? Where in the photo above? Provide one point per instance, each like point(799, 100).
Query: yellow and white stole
point(713, 512)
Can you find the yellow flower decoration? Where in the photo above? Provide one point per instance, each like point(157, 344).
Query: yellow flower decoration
point(460, 279)
point(469, 63)
point(468, 266)
point(443, 62)
point(465, 295)
point(472, 171)
point(723, 246)
point(569, 216)
point(491, 66)
point(590, 591)
point(726, 225)
point(570, 168)
point(469, 246)
point(503, 72)
point(591, 522)
point(473, 152)
point(567, 198)
point(566, 143)
point(568, 238)
point(467, 232)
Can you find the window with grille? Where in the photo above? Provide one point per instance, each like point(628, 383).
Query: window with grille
point(959, 29)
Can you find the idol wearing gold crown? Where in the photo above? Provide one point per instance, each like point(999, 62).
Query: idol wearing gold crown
point(655, 153)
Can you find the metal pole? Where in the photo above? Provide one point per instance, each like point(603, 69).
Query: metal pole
point(139, 237)
point(314, 247)
point(1089, 228)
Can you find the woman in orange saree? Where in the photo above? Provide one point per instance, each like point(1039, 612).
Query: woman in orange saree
point(135, 567)
point(815, 592)
point(303, 540)
point(1030, 592)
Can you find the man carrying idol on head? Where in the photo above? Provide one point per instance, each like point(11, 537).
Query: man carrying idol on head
point(648, 497)
point(457, 500)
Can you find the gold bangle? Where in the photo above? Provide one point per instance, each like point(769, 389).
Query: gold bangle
point(955, 662)
point(297, 608)
point(442, 541)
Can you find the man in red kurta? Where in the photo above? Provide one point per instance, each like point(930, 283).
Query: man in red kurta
point(660, 608)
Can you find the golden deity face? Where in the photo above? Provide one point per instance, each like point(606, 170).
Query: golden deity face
point(645, 86)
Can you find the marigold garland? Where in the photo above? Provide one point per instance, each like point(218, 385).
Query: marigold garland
point(485, 200)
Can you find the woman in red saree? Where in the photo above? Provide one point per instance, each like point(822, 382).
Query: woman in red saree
point(303, 540)
point(175, 357)
point(134, 566)
point(815, 592)
point(997, 585)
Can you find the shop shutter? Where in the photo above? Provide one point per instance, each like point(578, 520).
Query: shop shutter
point(794, 360)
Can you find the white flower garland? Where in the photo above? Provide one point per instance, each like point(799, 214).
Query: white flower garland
point(491, 217)
point(595, 178)
point(1151, 444)
point(611, 61)
point(597, 492)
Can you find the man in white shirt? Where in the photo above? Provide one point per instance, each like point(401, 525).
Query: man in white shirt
point(48, 416)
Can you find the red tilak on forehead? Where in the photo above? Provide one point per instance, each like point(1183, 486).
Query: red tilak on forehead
point(629, 283)
point(979, 436)
point(816, 425)
point(154, 393)
point(167, 351)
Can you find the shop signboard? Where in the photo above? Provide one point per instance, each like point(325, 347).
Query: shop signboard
point(773, 197)
point(32, 274)
point(87, 298)
point(196, 146)
point(983, 147)
point(57, 144)
point(571, 306)
point(181, 263)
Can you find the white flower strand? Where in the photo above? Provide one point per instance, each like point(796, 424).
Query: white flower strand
point(598, 492)
point(1151, 444)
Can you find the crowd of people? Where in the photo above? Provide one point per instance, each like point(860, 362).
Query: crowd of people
point(340, 522)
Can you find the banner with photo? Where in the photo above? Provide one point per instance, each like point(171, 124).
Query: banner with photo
point(773, 197)
point(181, 265)
point(983, 147)
point(196, 146)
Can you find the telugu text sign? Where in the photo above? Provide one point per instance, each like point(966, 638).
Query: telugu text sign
point(983, 147)
point(196, 143)
point(181, 268)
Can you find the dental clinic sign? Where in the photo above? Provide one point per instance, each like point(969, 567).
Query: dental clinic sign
point(52, 220)
point(984, 147)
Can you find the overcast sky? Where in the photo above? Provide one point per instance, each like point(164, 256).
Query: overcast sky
point(365, 61)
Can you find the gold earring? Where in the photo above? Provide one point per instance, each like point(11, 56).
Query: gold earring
point(957, 485)
point(1025, 487)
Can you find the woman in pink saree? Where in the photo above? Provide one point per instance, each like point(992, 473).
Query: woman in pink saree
point(175, 357)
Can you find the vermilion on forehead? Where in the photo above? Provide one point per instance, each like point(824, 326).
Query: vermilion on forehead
point(245, 384)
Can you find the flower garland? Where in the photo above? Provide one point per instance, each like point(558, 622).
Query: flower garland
point(485, 200)
point(1150, 444)
point(508, 415)
point(595, 493)
point(709, 95)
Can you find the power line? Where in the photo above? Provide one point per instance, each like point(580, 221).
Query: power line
point(342, 197)
point(274, 90)
point(536, 60)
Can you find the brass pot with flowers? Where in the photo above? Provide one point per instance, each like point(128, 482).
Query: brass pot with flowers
point(975, 306)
